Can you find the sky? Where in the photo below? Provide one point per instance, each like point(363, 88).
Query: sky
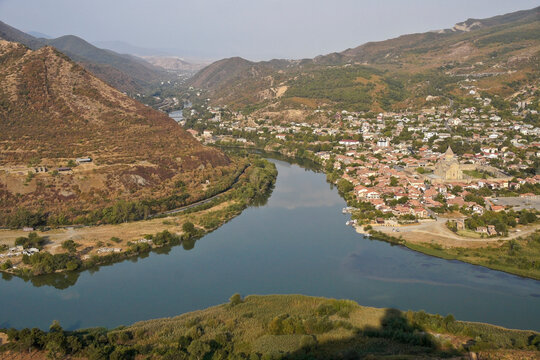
point(253, 29)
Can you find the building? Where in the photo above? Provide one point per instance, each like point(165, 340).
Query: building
point(349, 142)
point(83, 160)
point(448, 167)
point(383, 142)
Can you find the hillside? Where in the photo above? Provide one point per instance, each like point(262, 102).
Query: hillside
point(52, 111)
point(124, 72)
point(285, 327)
point(389, 75)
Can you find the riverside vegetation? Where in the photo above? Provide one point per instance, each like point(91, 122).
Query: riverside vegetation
point(282, 327)
point(252, 188)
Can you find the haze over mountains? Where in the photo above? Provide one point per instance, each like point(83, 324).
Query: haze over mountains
point(127, 73)
point(396, 73)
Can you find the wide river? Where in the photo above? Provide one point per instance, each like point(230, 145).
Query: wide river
point(297, 243)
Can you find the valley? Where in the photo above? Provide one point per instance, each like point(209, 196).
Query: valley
point(400, 174)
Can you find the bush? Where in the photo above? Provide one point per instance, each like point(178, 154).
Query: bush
point(33, 240)
point(236, 299)
point(188, 228)
point(70, 246)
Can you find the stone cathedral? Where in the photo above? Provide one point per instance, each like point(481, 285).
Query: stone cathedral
point(448, 167)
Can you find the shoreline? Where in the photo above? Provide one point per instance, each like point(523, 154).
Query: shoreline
point(107, 243)
point(484, 244)
point(430, 250)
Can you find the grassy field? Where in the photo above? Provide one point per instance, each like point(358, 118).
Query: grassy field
point(477, 174)
point(288, 327)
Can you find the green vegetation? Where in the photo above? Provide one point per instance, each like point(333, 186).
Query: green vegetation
point(32, 241)
point(236, 299)
point(517, 256)
point(477, 174)
point(339, 84)
point(501, 220)
point(286, 327)
point(253, 187)
point(70, 246)
point(47, 263)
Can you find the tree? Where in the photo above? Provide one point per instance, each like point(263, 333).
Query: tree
point(449, 320)
point(236, 299)
point(70, 245)
point(344, 186)
point(33, 240)
point(188, 228)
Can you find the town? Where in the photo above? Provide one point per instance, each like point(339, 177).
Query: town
point(474, 168)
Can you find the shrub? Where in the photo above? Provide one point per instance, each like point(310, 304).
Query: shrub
point(236, 299)
point(188, 228)
point(33, 240)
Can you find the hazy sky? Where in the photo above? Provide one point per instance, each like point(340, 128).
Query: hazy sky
point(254, 29)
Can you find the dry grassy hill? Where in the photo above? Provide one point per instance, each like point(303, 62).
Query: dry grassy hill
point(52, 111)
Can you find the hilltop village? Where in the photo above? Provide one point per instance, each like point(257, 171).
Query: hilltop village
point(473, 167)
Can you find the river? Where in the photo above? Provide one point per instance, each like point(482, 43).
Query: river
point(296, 243)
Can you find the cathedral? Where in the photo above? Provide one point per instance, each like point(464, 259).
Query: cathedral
point(448, 167)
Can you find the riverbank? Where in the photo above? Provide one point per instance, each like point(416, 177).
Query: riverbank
point(77, 249)
point(518, 256)
point(434, 239)
point(284, 327)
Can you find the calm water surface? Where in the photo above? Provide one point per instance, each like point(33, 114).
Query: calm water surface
point(296, 243)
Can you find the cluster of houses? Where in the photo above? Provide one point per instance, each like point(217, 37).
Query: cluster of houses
point(381, 157)
point(18, 251)
point(380, 180)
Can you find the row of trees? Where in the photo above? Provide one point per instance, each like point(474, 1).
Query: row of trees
point(501, 220)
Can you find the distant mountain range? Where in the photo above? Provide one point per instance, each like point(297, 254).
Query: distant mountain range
point(174, 63)
point(125, 72)
point(38, 34)
point(393, 74)
point(123, 47)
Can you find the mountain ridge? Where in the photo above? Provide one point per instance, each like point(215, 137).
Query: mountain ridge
point(489, 44)
point(127, 73)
